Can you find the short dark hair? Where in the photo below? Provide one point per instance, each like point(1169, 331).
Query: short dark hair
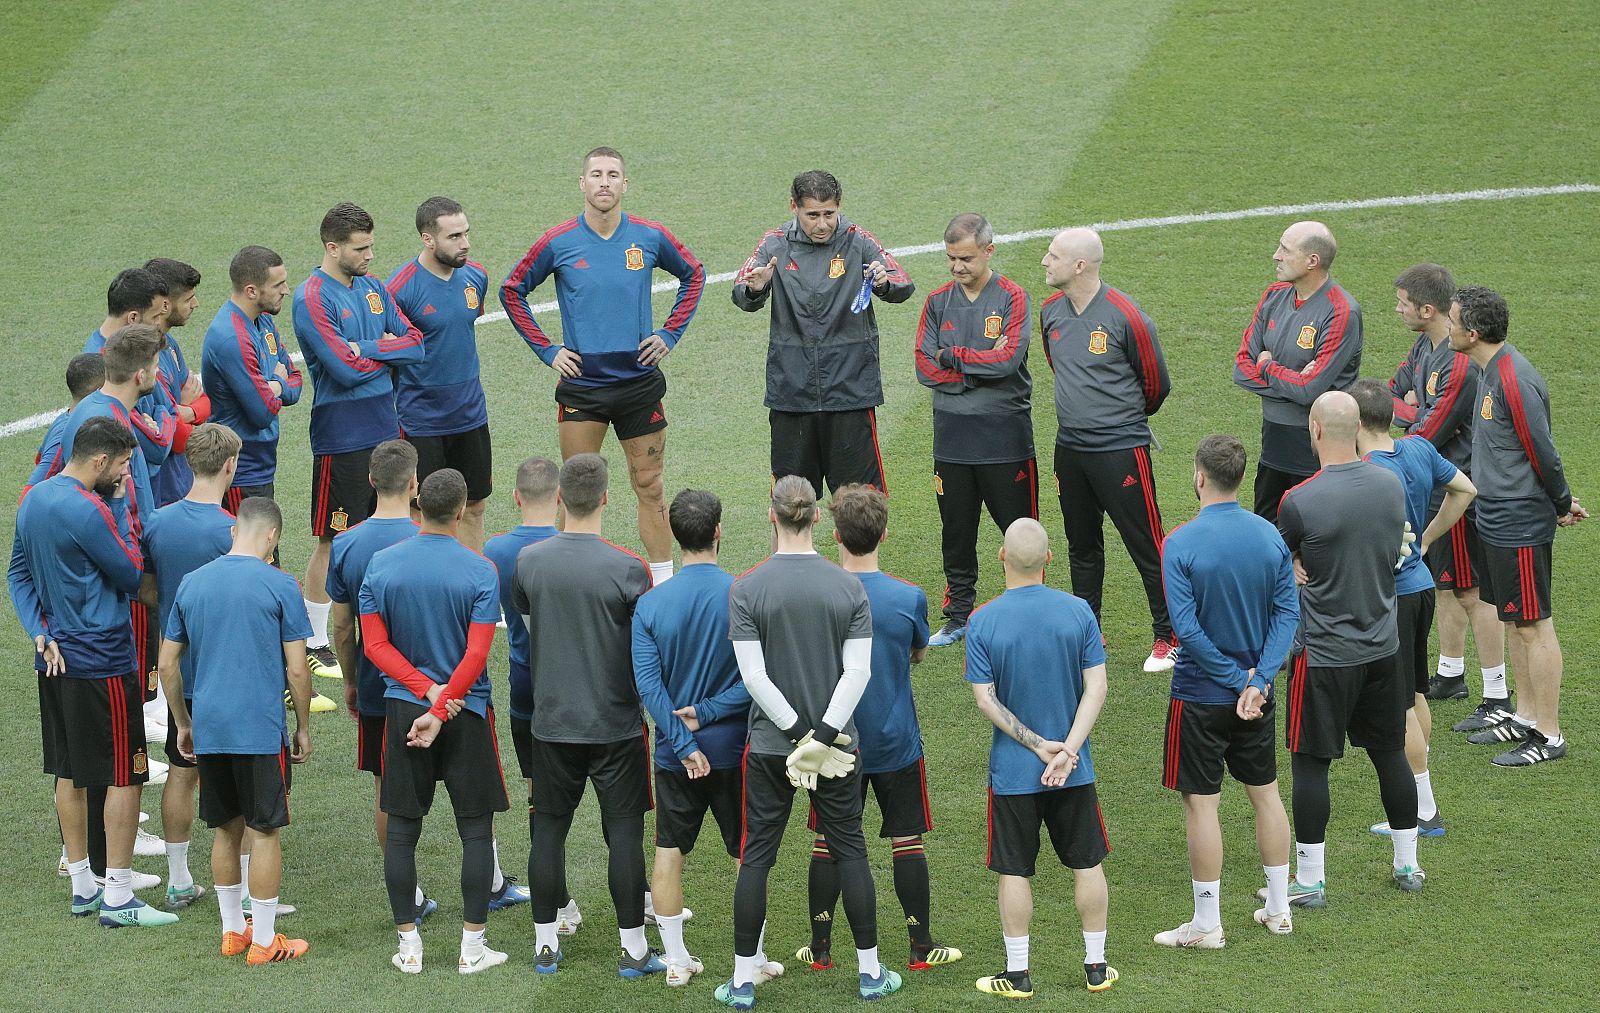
point(209, 448)
point(343, 221)
point(133, 289)
point(443, 493)
point(431, 210)
point(537, 478)
point(1221, 459)
point(815, 185)
point(1374, 403)
point(101, 434)
point(180, 277)
point(583, 483)
point(258, 511)
point(694, 516)
point(861, 516)
point(794, 503)
point(392, 464)
point(969, 225)
point(1427, 285)
point(85, 374)
point(250, 266)
point(130, 349)
point(1484, 311)
point(602, 152)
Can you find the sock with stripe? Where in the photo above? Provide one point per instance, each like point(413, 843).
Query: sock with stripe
point(911, 886)
point(1016, 953)
point(660, 573)
point(263, 919)
point(230, 901)
point(822, 890)
point(317, 612)
point(1308, 863)
point(1494, 683)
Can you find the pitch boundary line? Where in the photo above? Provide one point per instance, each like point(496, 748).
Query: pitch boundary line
point(43, 419)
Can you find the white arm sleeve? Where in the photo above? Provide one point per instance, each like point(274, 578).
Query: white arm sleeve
point(852, 683)
point(753, 670)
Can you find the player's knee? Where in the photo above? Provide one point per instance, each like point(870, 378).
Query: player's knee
point(646, 481)
point(476, 507)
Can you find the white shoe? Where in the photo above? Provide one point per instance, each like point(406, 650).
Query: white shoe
point(1278, 925)
point(568, 919)
point(1187, 937)
point(766, 970)
point(140, 881)
point(148, 845)
point(485, 959)
point(158, 770)
point(650, 913)
point(1163, 656)
point(679, 974)
point(409, 959)
point(155, 731)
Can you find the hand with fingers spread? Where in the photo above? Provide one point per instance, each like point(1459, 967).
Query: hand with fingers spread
point(758, 278)
point(652, 350)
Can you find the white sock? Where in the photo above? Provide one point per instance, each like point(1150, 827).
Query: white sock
point(660, 573)
point(634, 942)
point(1277, 888)
point(178, 875)
point(1555, 740)
point(420, 897)
point(544, 934)
point(867, 963)
point(499, 881)
point(264, 919)
point(1308, 865)
point(761, 946)
point(1494, 683)
point(244, 871)
point(119, 887)
point(649, 903)
point(570, 909)
point(230, 901)
point(471, 942)
point(1016, 953)
point(744, 970)
point(1427, 806)
point(1453, 667)
point(1094, 947)
point(1405, 847)
point(82, 878)
point(1524, 722)
point(411, 940)
point(317, 612)
point(1207, 904)
point(671, 929)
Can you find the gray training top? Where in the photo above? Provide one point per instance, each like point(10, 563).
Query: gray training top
point(1110, 375)
point(578, 592)
point(801, 608)
point(1522, 488)
point(982, 393)
point(1346, 523)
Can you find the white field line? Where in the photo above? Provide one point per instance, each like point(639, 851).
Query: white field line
point(43, 419)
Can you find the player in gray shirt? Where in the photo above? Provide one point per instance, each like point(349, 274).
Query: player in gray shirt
point(1346, 525)
point(578, 592)
point(802, 633)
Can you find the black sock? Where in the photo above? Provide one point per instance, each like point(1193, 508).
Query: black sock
point(625, 868)
point(860, 901)
point(911, 886)
point(400, 866)
point(749, 909)
point(547, 863)
point(822, 888)
point(1397, 786)
point(477, 865)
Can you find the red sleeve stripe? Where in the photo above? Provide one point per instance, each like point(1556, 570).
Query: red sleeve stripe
point(131, 551)
point(751, 264)
point(649, 576)
point(697, 279)
point(1330, 343)
point(1454, 380)
point(1519, 417)
point(329, 335)
point(1244, 360)
point(1404, 414)
point(161, 435)
point(1016, 316)
point(252, 365)
point(925, 364)
point(398, 282)
point(516, 304)
point(896, 272)
point(1145, 348)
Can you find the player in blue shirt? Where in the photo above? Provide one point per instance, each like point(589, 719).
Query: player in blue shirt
point(428, 612)
point(440, 399)
point(1423, 472)
point(1231, 595)
point(610, 357)
point(243, 620)
point(137, 296)
point(689, 681)
point(178, 385)
point(86, 373)
point(352, 335)
point(1036, 651)
point(890, 738)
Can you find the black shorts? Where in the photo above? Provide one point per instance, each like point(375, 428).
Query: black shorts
point(341, 491)
point(902, 800)
point(173, 756)
point(466, 452)
point(465, 756)
point(768, 798)
point(1456, 560)
point(254, 787)
point(1202, 738)
point(1414, 617)
point(1271, 485)
point(620, 771)
point(1072, 815)
point(93, 730)
point(1365, 702)
point(632, 408)
point(522, 742)
point(239, 493)
point(1516, 581)
point(832, 448)
point(681, 805)
point(370, 735)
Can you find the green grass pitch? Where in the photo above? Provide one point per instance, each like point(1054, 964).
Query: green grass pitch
point(130, 130)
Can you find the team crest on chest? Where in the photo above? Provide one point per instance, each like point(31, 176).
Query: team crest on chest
point(1308, 336)
point(1097, 341)
point(1487, 411)
point(1433, 383)
point(374, 302)
point(635, 259)
point(272, 341)
point(339, 521)
point(836, 267)
point(471, 292)
point(991, 327)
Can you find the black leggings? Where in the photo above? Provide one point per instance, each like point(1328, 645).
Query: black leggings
point(855, 884)
point(624, 836)
point(1396, 786)
point(477, 866)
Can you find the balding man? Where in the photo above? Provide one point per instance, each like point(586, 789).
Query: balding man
point(1303, 341)
point(1110, 378)
point(1036, 651)
point(1345, 527)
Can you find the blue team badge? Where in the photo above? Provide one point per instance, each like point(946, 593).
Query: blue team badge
point(863, 298)
point(635, 259)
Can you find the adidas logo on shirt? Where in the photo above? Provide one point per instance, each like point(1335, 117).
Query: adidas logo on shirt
point(346, 314)
point(948, 326)
point(791, 266)
point(428, 309)
point(582, 263)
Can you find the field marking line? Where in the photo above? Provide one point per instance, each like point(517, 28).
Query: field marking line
point(43, 419)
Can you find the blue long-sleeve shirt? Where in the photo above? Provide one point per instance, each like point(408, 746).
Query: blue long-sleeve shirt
point(156, 440)
point(175, 478)
point(74, 564)
point(95, 404)
point(682, 657)
point(442, 395)
point(1231, 595)
point(236, 366)
point(603, 289)
point(502, 551)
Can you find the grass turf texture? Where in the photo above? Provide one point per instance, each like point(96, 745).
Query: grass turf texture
point(140, 130)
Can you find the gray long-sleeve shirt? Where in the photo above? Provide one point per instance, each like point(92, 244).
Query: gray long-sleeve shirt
point(1110, 376)
point(1522, 488)
point(1444, 381)
point(982, 393)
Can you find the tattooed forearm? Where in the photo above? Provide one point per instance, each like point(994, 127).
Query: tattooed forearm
point(1011, 724)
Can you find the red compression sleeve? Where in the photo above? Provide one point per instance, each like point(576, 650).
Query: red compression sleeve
point(375, 643)
point(479, 638)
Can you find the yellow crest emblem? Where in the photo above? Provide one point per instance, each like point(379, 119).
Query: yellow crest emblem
point(1097, 341)
point(339, 521)
point(151, 680)
point(635, 259)
point(938, 484)
point(374, 302)
point(471, 292)
point(836, 267)
point(1487, 411)
point(272, 341)
point(1308, 336)
point(1433, 383)
point(141, 763)
point(991, 327)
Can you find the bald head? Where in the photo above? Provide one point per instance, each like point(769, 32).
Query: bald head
point(1337, 416)
point(1312, 239)
point(1027, 546)
point(1082, 244)
point(1073, 253)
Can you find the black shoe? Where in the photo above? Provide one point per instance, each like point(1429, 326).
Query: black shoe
point(1007, 985)
point(1101, 976)
point(1485, 715)
point(1508, 730)
point(1447, 687)
point(951, 632)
